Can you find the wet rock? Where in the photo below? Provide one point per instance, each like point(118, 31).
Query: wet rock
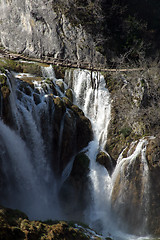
point(61, 85)
point(75, 192)
point(69, 94)
point(69, 124)
point(5, 103)
point(67, 102)
point(36, 98)
point(105, 160)
point(15, 225)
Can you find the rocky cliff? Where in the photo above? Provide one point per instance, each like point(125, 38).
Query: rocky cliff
point(135, 115)
point(41, 29)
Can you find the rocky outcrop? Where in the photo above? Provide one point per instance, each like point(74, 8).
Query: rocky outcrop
point(15, 225)
point(105, 160)
point(69, 124)
point(153, 156)
point(135, 114)
point(4, 98)
point(75, 193)
point(36, 29)
point(135, 100)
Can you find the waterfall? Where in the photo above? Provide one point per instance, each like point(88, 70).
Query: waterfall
point(29, 174)
point(95, 102)
point(130, 196)
point(31, 184)
point(92, 96)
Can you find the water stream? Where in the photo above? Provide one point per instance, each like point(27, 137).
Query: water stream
point(96, 104)
point(28, 173)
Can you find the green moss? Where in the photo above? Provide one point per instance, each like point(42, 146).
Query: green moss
point(59, 71)
point(23, 67)
point(77, 110)
point(80, 165)
point(59, 103)
point(67, 102)
point(3, 80)
point(2, 70)
point(126, 131)
point(60, 85)
point(69, 94)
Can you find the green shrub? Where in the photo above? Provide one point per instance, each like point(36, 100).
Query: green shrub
point(126, 131)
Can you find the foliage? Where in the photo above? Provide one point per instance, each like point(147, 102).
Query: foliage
point(126, 131)
point(22, 67)
point(116, 26)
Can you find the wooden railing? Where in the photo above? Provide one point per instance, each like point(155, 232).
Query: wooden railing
point(65, 62)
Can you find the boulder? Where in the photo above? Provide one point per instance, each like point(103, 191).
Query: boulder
point(75, 192)
point(15, 225)
point(69, 94)
point(105, 160)
point(83, 126)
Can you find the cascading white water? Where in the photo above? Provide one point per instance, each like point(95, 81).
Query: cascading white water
point(124, 169)
point(32, 112)
point(93, 98)
point(95, 102)
point(34, 188)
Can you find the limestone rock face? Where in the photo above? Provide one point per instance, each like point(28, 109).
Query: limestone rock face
point(135, 108)
point(36, 29)
point(135, 114)
point(153, 156)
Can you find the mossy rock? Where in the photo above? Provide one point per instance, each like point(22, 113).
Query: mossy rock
point(67, 102)
point(80, 165)
point(69, 94)
point(77, 110)
point(23, 67)
point(3, 79)
point(5, 91)
point(11, 217)
point(60, 85)
point(17, 226)
point(105, 160)
point(59, 104)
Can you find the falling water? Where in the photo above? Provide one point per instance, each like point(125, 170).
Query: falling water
point(93, 98)
point(127, 196)
point(28, 150)
point(32, 186)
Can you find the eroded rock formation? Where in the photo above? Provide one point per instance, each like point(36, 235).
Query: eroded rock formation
point(36, 29)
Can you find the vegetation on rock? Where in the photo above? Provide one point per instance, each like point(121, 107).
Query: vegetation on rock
point(15, 225)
